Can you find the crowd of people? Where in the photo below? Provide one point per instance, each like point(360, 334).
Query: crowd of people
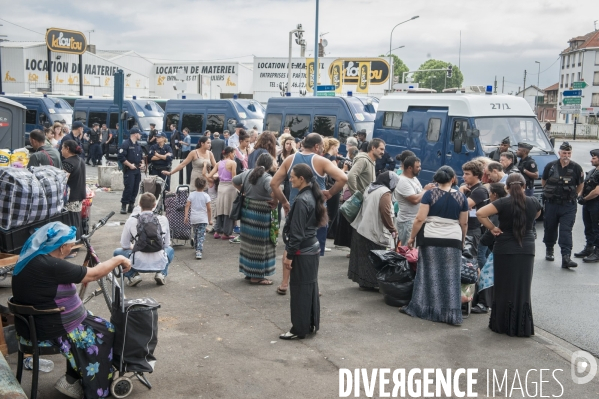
point(494, 210)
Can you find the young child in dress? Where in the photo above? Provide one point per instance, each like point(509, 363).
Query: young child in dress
point(201, 213)
point(213, 193)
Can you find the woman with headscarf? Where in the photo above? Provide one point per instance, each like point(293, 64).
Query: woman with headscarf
point(44, 280)
point(374, 227)
point(439, 228)
point(303, 252)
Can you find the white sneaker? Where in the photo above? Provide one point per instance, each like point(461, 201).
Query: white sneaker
point(71, 390)
point(160, 278)
point(133, 281)
point(198, 255)
point(327, 249)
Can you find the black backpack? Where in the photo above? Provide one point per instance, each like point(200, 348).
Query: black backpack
point(149, 233)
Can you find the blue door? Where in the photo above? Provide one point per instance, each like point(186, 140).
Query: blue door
point(428, 135)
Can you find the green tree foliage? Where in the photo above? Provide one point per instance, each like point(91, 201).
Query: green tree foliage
point(398, 66)
point(439, 80)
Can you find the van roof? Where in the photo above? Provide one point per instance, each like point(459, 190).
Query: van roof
point(468, 105)
point(11, 102)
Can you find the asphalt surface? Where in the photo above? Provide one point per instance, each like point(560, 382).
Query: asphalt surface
point(218, 335)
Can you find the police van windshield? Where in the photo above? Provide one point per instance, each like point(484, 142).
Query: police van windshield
point(144, 122)
point(62, 118)
point(517, 128)
point(362, 109)
point(249, 109)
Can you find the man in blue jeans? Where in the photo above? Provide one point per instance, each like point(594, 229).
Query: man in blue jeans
point(146, 262)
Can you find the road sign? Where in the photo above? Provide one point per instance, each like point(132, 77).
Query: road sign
point(325, 88)
point(574, 106)
point(325, 94)
point(573, 100)
point(572, 93)
point(569, 111)
point(579, 85)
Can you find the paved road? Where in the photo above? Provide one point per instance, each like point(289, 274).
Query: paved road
point(566, 302)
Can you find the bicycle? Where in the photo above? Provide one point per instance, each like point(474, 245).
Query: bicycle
point(109, 282)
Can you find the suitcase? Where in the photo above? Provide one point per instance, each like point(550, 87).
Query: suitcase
point(174, 204)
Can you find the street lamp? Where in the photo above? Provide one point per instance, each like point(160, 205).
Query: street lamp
point(391, 39)
point(299, 32)
point(396, 48)
point(537, 95)
point(89, 36)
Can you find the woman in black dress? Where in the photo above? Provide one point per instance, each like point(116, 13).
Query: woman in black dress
point(303, 252)
point(75, 168)
point(514, 256)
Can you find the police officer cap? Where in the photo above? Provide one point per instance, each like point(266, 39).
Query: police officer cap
point(239, 125)
point(505, 140)
point(134, 130)
point(95, 124)
point(595, 153)
point(363, 131)
point(565, 146)
point(526, 146)
point(77, 125)
point(160, 134)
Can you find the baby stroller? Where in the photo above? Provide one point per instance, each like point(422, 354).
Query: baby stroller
point(155, 185)
point(136, 335)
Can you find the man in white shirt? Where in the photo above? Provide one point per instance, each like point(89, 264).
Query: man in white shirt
point(146, 262)
point(234, 139)
point(408, 194)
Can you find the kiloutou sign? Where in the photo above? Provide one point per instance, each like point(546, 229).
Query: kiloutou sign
point(65, 41)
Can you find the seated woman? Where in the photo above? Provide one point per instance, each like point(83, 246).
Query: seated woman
point(44, 280)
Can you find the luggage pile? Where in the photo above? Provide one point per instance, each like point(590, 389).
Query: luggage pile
point(30, 195)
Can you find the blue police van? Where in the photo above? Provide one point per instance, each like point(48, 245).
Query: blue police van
point(215, 115)
point(43, 111)
point(339, 117)
point(140, 113)
point(453, 128)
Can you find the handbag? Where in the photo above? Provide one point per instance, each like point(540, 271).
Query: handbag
point(351, 207)
point(411, 254)
point(238, 203)
point(468, 272)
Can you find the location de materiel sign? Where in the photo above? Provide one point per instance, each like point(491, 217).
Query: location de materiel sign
point(579, 85)
point(572, 93)
point(573, 100)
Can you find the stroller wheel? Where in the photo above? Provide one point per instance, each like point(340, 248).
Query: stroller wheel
point(121, 387)
point(192, 242)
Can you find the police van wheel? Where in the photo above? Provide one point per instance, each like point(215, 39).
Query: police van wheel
point(121, 387)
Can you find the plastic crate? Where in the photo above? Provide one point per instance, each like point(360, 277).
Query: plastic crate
point(11, 241)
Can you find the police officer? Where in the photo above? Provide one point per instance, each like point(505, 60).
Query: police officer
point(528, 167)
point(590, 212)
point(152, 135)
point(130, 156)
point(503, 147)
point(562, 183)
point(161, 157)
point(94, 150)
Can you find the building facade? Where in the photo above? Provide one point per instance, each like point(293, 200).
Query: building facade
point(547, 106)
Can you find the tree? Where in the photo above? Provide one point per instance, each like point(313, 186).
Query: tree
point(438, 79)
point(398, 66)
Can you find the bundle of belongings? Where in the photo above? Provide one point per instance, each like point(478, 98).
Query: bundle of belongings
point(30, 195)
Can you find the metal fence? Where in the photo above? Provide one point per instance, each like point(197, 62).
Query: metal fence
point(582, 130)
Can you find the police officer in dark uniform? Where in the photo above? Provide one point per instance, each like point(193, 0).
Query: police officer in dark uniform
point(161, 158)
point(590, 212)
point(152, 135)
point(130, 156)
point(527, 167)
point(94, 150)
point(562, 184)
point(503, 147)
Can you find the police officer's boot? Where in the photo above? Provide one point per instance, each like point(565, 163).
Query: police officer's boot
point(586, 251)
point(549, 254)
point(130, 208)
point(592, 258)
point(123, 209)
point(567, 262)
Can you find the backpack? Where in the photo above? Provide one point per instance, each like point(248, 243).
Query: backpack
point(149, 236)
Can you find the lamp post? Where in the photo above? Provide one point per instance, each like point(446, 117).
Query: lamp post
point(299, 32)
point(396, 48)
point(391, 38)
point(537, 95)
point(316, 50)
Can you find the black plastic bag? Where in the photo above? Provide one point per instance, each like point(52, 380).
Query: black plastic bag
point(381, 258)
point(395, 280)
point(398, 303)
point(467, 251)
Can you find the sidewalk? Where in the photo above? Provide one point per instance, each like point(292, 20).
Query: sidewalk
point(218, 335)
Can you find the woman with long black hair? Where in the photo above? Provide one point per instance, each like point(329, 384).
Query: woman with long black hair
point(307, 214)
point(514, 256)
point(75, 168)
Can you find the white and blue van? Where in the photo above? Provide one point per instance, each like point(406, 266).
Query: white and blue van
point(43, 111)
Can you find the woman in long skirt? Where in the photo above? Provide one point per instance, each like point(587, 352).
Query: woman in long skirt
point(514, 255)
point(258, 249)
point(303, 252)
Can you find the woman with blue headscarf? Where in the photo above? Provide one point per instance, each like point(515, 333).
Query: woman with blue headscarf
point(44, 280)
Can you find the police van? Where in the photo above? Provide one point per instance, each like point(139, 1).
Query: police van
point(140, 113)
point(340, 117)
point(452, 129)
point(43, 111)
point(215, 115)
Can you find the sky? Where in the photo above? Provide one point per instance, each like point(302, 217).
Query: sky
point(498, 38)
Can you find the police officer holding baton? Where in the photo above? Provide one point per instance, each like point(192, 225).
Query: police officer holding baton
point(130, 156)
point(161, 158)
point(562, 184)
point(528, 167)
point(590, 212)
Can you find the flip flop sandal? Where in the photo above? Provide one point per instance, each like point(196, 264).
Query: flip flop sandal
point(261, 282)
point(281, 291)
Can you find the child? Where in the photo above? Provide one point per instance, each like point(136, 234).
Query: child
point(201, 213)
